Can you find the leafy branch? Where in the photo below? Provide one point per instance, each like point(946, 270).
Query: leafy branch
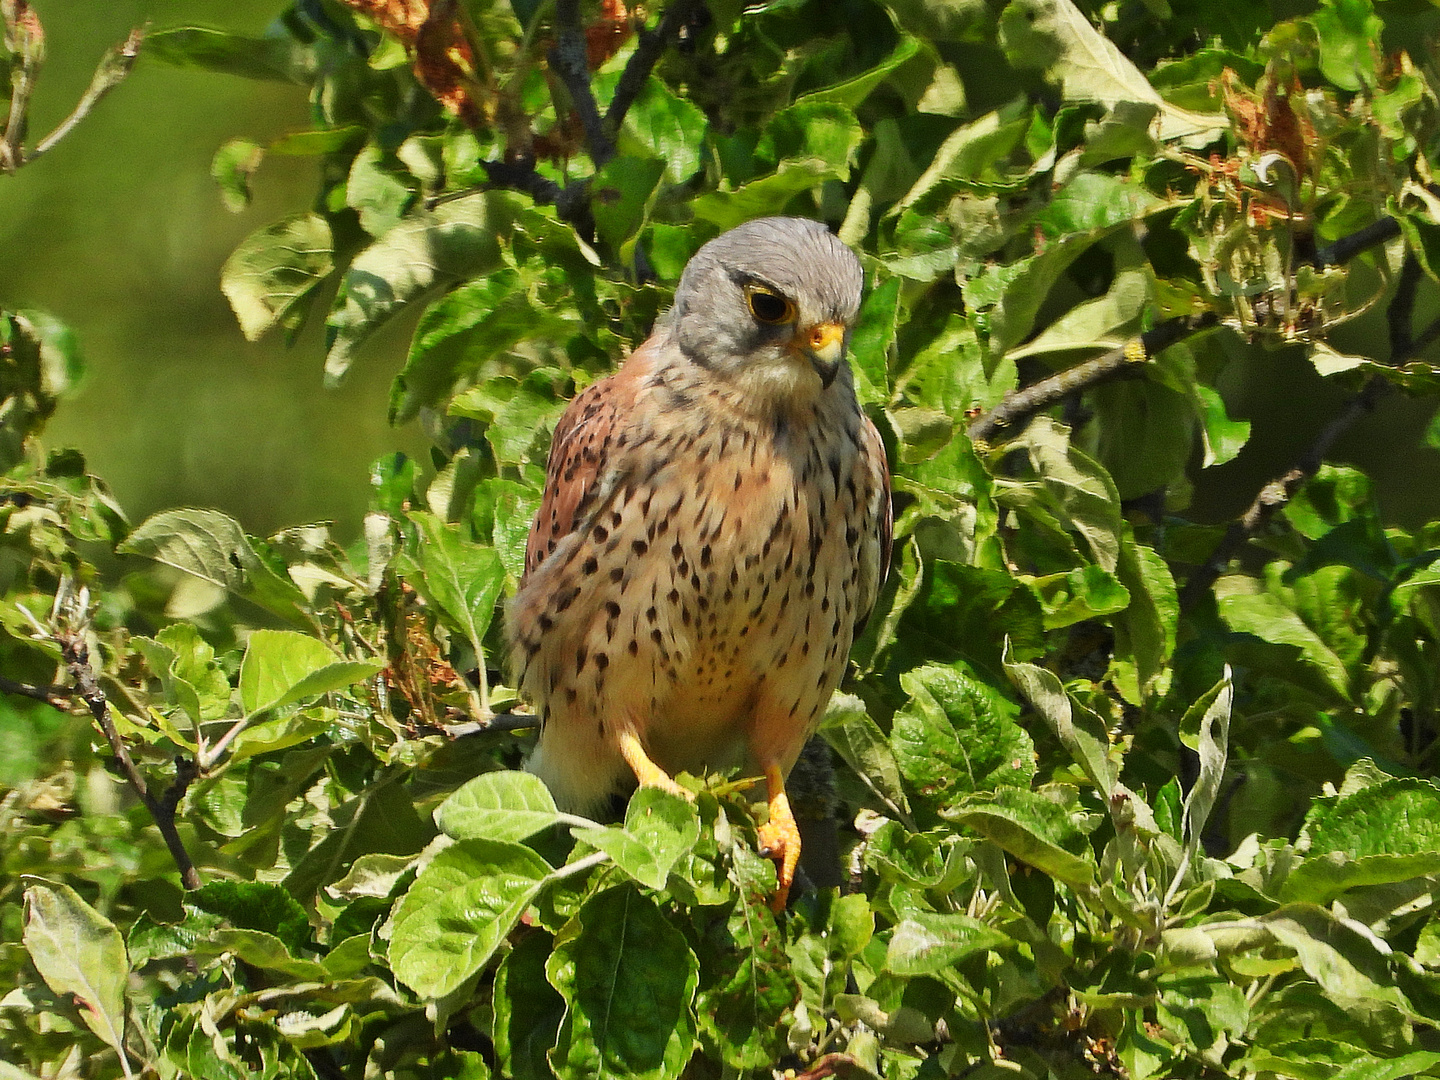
point(70, 620)
point(1276, 495)
point(1125, 362)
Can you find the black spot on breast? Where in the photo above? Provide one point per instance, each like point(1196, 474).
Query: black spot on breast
point(601, 534)
point(640, 547)
point(589, 566)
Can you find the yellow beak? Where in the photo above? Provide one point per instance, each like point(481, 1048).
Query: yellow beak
point(824, 346)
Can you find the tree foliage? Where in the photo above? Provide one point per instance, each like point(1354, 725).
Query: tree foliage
point(1115, 791)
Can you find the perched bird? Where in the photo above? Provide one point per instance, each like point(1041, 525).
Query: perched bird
point(714, 530)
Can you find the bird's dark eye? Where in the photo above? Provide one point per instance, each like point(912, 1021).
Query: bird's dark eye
point(767, 306)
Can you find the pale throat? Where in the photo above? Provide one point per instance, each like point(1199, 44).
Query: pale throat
point(786, 384)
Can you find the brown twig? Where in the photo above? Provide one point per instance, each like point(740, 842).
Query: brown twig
point(1117, 363)
point(648, 51)
point(57, 696)
point(1276, 495)
point(162, 810)
point(569, 60)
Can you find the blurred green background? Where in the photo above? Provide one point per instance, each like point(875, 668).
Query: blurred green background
point(121, 232)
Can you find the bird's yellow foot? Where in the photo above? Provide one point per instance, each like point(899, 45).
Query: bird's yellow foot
point(780, 838)
point(646, 771)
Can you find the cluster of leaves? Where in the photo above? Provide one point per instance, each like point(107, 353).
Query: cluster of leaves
point(1039, 757)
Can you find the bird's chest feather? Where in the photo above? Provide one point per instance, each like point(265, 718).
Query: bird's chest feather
point(717, 575)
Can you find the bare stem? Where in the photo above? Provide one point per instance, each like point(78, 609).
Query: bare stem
point(1127, 360)
point(570, 61)
point(162, 810)
point(648, 51)
point(56, 696)
point(113, 68)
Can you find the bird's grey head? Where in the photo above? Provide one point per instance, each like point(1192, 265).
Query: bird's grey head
point(769, 305)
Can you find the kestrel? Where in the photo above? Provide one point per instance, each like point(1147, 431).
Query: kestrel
point(714, 530)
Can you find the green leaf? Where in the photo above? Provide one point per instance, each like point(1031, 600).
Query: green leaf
point(233, 165)
point(78, 951)
point(380, 819)
point(506, 806)
point(659, 829)
point(1205, 729)
point(463, 330)
point(255, 905)
point(628, 979)
point(872, 341)
point(189, 675)
point(851, 92)
point(1086, 741)
point(462, 580)
point(667, 128)
point(1145, 631)
point(528, 1011)
point(1347, 965)
point(938, 20)
point(743, 1010)
point(1075, 487)
point(1385, 833)
point(1085, 211)
point(1056, 36)
point(1087, 592)
point(518, 414)
point(1247, 608)
point(957, 735)
point(1104, 323)
point(212, 547)
point(458, 911)
point(620, 195)
point(809, 143)
point(279, 57)
point(969, 611)
point(1223, 438)
point(1146, 432)
point(378, 189)
point(1348, 30)
point(427, 249)
point(1031, 828)
point(282, 667)
point(273, 271)
point(850, 731)
point(926, 943)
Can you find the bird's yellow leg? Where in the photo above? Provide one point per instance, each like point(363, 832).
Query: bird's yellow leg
point(646, 771)
point(780, 836)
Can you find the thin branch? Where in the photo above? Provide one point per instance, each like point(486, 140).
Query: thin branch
point(1276, 495)
point(114, 66)
point(162, 810)
point(1117, 363)
point(1347, 247)
point(648, 50)
point(56, 696)
point(570, 61)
